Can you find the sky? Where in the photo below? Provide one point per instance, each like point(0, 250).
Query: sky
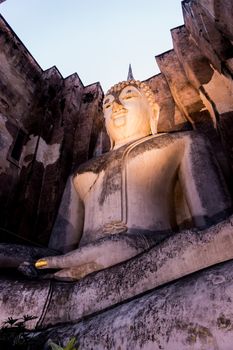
point(95, 38)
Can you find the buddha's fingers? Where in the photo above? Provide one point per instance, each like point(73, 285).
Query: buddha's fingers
point(72, 259)
point(76, 273)
point(50, 262)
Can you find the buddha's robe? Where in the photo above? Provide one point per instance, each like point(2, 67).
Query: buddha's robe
point(153, 186)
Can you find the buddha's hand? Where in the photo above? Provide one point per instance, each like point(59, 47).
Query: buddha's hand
point(98, 255)
point(72, 266)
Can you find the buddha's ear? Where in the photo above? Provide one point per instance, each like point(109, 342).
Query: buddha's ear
point(154, 118)
point(112, 144)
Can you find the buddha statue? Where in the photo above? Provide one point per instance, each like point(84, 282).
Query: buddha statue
point(152, 210)
point(146, 188)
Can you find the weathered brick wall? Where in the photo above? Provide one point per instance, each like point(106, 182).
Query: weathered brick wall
point(53, 113)
point(207, 57)
point(19, 75)
point(196, 76)
point(90, 122)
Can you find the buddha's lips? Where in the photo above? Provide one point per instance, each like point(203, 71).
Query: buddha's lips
point(119, 114)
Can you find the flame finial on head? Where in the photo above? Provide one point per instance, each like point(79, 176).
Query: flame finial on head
point(130, 73)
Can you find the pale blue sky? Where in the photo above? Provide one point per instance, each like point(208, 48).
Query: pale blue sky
point(95, 38)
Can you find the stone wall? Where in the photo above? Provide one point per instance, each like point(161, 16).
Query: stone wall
point(195, 87)
point(204, 48)
point(43, 119)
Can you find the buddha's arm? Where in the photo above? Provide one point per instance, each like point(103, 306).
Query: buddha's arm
point(203, 183)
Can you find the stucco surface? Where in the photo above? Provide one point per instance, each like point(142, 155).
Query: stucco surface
point(193, 313)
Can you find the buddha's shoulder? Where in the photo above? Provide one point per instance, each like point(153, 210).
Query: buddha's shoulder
point(112, 159)
point(164, 140)
point(101, 163)
point(171, 137)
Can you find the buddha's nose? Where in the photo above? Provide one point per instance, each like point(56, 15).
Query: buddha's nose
point(116, 106)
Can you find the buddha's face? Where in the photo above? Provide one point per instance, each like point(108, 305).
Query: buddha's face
point(127, 115)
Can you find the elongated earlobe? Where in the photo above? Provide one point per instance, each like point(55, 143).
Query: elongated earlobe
point(112, 144)
point(154, 118)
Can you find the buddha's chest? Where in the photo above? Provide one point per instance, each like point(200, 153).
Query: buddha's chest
point(136, 170)
point(128, 191)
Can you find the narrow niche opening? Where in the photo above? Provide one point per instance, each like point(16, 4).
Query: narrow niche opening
point(17, 148)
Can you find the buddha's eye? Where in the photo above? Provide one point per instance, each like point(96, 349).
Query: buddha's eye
point(107, 106)
point(108, 102)
point(128, 96)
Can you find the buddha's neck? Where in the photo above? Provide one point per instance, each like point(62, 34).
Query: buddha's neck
point(123, 142)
